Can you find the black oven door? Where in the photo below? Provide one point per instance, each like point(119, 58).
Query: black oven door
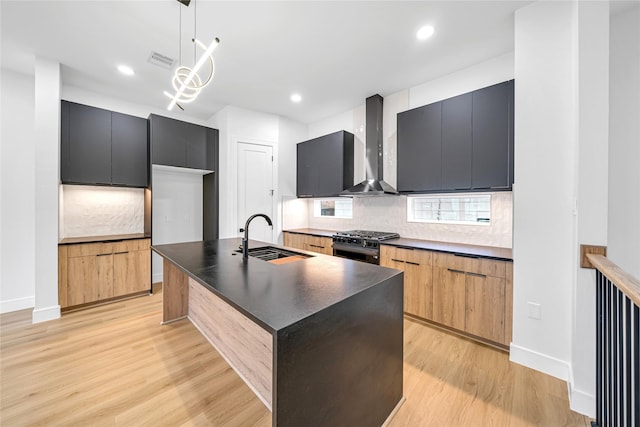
point(357, 253)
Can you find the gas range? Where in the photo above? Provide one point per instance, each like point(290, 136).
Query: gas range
point(363, 245)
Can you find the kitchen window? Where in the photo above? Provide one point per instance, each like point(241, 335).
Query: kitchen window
point(450, 209)
point(333, 208)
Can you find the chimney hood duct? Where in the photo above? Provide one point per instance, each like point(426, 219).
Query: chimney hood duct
point(374, 185)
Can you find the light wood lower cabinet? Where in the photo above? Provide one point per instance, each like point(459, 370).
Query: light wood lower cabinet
point(416, 265)
point(469, 294)
point(306, 242)
point(449, 297)
point(93, 272)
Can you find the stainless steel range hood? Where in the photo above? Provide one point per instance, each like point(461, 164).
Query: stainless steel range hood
point(374, 185)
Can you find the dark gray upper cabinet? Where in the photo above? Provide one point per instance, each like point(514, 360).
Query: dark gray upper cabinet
point(456, 143)
point(181, 144)
point(493, 137)
point(85, 145)
point(419, 160)
point(102, 147)
point(129, 150)
point(168, 144)
point(464, 143)
point(325, 165)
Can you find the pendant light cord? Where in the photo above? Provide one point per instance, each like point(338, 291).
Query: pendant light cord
point(195, 28)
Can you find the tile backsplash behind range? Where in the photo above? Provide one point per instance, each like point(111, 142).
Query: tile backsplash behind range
point(389, 213)
point(100, 211)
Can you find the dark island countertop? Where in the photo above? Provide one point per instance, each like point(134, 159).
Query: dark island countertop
point(274, 296)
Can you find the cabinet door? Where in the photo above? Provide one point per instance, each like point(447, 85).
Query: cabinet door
point(329, 159)
point(87, 158)
point(449, 297)
point(196, 141)
point(485, 306)
point(90, 278)
point(129, 150)
point(492, 137)
point(168, 142)
point(416, 265)
point(308, 173)
point(131, 272)
point(456, 143)
point(292, 240)
point(418, 284)
point(420, 148)
point(324, 165)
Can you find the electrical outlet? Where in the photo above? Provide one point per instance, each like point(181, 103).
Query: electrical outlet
point(535, 310)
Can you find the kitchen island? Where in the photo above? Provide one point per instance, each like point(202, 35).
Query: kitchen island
point(319, 340)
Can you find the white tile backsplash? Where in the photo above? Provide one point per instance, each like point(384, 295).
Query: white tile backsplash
point(389, 213)
point(100, 211)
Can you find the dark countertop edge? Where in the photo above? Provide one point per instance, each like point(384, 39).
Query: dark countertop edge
point(312, 232)
point(219, 294)
point(272, 330)
point(489, 252)
point(98, 239)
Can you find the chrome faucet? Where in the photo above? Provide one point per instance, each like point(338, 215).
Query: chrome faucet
point(245, 239)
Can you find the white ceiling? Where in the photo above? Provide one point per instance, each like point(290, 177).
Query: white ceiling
point(334, 53)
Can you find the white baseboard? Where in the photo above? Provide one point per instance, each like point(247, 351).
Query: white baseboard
point(17, 304)
point(45, 314)
point(540, 362)
point(582, 402)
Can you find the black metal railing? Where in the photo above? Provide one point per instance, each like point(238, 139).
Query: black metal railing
point(617, 346)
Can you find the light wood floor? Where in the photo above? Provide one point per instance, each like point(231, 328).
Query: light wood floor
point(116, 366)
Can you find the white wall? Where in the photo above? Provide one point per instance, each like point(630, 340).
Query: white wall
point(544, 194)
point(592, 75)
point(47, 173)
point(290, 133)
point(17, 171)
point(177, 210)
point(560, 196)
point(624, 142)
point(241, 125)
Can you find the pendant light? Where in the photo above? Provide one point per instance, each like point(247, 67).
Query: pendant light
point(187, 82)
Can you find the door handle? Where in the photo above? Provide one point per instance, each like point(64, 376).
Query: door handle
point(476, 274)
point(455, 271)
point(412, 263)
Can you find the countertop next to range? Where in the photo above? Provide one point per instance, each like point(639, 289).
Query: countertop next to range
point(96, 239)
point(273, 295)
point(492, 252)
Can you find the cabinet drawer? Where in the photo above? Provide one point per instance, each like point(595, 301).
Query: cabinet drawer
point(87, 249)
point(483, 266)
point(391, 254)
point(319, 244)
point(131, 245)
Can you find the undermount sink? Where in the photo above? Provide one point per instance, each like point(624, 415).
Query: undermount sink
point(276, 255)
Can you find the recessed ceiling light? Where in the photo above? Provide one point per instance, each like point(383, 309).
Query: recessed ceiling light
point(425, 32)
point(125, 70)
point(296, 97)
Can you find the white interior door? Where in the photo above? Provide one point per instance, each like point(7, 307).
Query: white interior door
point(255, 189)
